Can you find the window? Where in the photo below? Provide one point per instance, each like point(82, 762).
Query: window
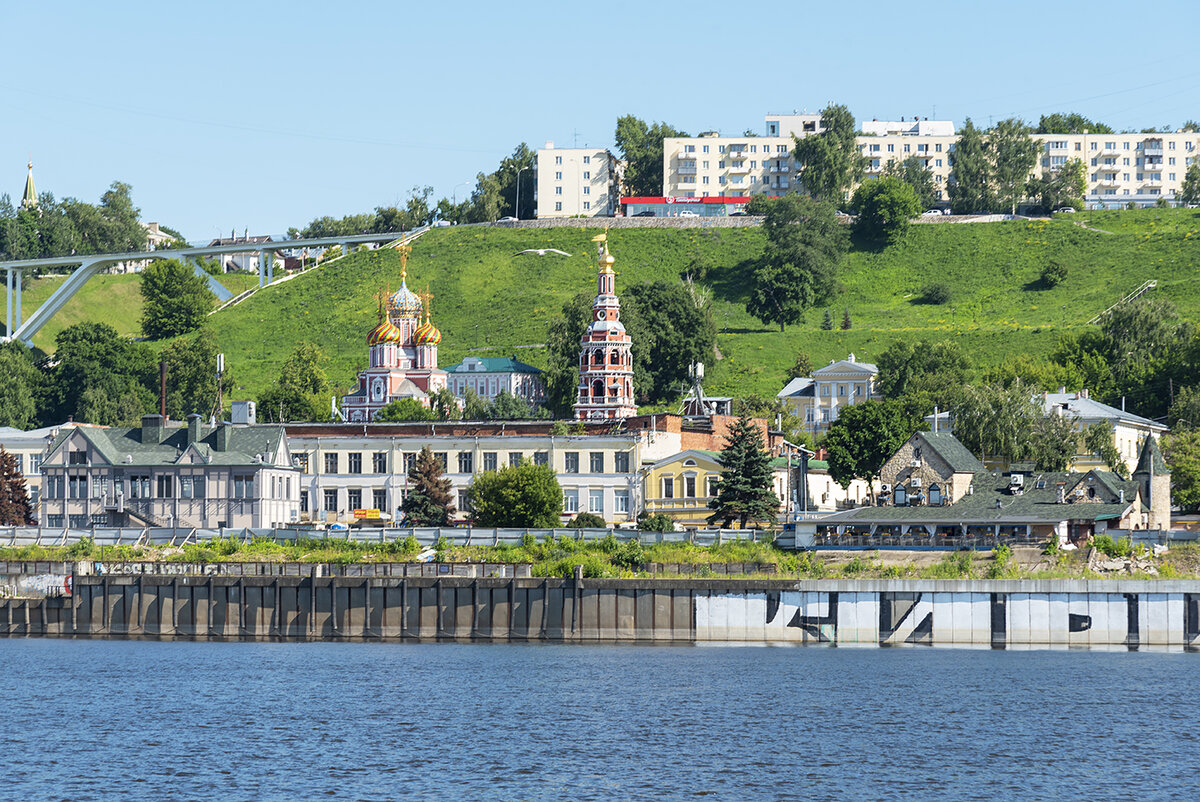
point(587, 190)
point(303, 501)
point(596, 501)
point(704, 148)
point(464, 501)
point(689, 487)
point(489, 460)
point(139, 486)
point(586, 175)
point(668, 487)
point(243, 486)
point(466, 462)
point(35, 464)
point(587, 159)
point(704, 180)
point(77, 521)
point(515, 457)
point(621, 502)
point(710, 486)
point(77, 458)
point(721, 180)
point(78, 486)
point(379, 499)
point(558, 159)
point(558, 206)
point(379, 462)
point(185, 487)
point(558, 190)
point(841, 391)
point(825, 390)
point(331, 463)
point(443, 459)
point(541, 458)
point(410, 462)
point(354, 462)
point(720, 148)
point(354, 499)
point(558, 176)
point(570, 501)
point(935, 495)
point(596, 462)
point(621, 462)
point(721, 165)
point(330, 501)
point(54, 521)
point(571, 462)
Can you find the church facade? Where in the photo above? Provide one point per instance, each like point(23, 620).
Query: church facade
point(605, 361)
point(402, 356)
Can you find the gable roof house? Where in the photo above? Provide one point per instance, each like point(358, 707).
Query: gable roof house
point(191, 476)
point(817, 398)
point(1020, 503)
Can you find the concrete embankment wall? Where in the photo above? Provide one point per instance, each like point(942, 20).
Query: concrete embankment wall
point(1000, 614)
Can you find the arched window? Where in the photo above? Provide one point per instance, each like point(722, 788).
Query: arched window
point(900, 498)
point(935, 495)
point(598, 389)
point(597, 357)
point(614, 358)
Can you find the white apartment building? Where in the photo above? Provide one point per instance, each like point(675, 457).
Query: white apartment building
point(1125, 168)
point(355, 467)
point(576, 182)
point(742, 166)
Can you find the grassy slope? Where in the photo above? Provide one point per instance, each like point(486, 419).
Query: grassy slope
point(114, 299)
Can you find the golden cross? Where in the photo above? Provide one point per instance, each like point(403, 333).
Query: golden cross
point(405, 249)
point(426, 301)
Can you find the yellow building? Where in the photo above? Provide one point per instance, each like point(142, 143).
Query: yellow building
point(681, 486)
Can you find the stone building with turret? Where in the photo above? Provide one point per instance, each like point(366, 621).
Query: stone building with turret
point(1154, 484)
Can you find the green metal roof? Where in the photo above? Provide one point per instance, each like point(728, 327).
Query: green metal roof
point(244, 445)
point(492, 364)
point(952, 452)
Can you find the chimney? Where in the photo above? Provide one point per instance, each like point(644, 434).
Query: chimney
point(152, 429)
point(223, 430)
point(1061, 390)
point(193, 428)
point(1084, 393)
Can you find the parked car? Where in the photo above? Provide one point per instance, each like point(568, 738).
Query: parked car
point(509, 219)
point(1064, 210)
point(840, 213)
point(932, 213)
point(647, 213)
point(688, 214)
point(737, 214)
point(441, 223)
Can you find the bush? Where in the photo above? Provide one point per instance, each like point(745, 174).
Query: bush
point(587, 520)
point(1053, 274)
point(1106, 545)
point(629, 554)
point(936, 294)
point(656, 523)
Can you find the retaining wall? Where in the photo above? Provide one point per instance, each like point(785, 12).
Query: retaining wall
point(999, 614)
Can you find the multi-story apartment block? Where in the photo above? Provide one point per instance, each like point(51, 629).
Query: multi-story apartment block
point(576, 182)
point(191, 476)
point(1125, 168)
point(743, 166)
point(348, 467)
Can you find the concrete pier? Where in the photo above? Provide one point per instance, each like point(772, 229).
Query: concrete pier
point(999, 614)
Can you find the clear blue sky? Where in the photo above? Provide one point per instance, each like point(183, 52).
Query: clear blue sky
point(235, 115)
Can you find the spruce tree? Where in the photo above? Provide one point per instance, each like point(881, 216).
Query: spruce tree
point(429, 502)
point(846, 320)
point(827, 323)
point(745, 491)
point(15, 509)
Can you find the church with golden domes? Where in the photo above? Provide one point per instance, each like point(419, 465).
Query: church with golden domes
point(402, 354)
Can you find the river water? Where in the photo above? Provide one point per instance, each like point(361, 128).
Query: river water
point(127, 719)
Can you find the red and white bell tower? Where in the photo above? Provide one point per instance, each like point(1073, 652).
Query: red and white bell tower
point(605, 361)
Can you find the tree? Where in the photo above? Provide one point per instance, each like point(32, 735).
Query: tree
point(474, 407)
point(913, 172)
point(520, 496)
point(934, 369)
point(1190, 192)
point(301, 393)
point(884, 207)
point(1181, 450)
point(846, 322)
point(798, 268)
point(177, 301)
point(117, 377)
point(192, 375)
point(670, 329)
point(1185, 409)
point(1059, 123)
point(1053, 274)
point(971, 190)
point(863, 437)
point(506, 406)
point(641, 147)
point(830, 161)
point(745, 490)
point(20, 387)
point(15, 509)
point(405, 409)
point(444, 404)
point(1014, 153)
point(1006, 422)
point(802, 367)
point(1098, 440)
point(1052, 443)
point(827, 321)
point(1065, 186)
point(428, 502)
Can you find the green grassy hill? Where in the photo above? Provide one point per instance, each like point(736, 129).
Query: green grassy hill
point(489, 302)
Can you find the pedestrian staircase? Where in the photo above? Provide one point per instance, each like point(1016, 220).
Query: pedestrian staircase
point(1133, 296)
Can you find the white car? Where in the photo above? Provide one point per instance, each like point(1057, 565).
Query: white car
point(1064, 210)
point(687, 214)
point(441, 223)
point(932, 213)
point(509, 219)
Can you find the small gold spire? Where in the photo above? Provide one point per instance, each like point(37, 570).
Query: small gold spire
point(405, 249)
point(426, 301)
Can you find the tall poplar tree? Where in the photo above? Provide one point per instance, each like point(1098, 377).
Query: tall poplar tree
point(830, 162)
point(971, 190)
point(429, 502)
point(1014, 154)
point(745, 491)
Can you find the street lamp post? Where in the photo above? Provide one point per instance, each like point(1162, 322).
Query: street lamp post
point(517, 205)
point(454, 192)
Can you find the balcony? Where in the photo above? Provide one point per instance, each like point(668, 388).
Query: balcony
point(1110, 152)
point(688, 170)
point(874, 168)
point(1152, 166)
point(1151, 181)
point(1109, 168)
point(685, 156)
point(1108, 182)
point(784, 167)
point(744, 168)
point(781, 184)
point(1155, 149)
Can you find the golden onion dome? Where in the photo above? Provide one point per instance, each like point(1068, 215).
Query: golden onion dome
point(385, 332)
point(404, 302)
point(427, 334)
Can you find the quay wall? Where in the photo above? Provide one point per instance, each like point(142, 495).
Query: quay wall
point(1128, 614)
